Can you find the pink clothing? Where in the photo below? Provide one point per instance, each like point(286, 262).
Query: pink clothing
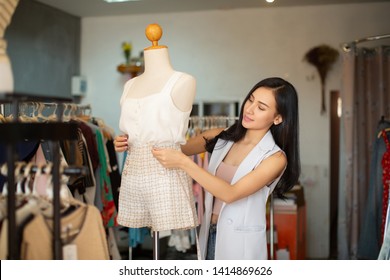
point(225, 172)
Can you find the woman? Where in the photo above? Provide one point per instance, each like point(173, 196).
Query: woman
point(257, 155)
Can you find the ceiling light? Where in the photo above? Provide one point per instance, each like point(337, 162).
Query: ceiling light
point(270, 1)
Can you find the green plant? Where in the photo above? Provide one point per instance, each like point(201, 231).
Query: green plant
point(127, 47)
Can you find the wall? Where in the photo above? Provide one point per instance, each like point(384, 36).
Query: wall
point(44, 48)
point(228, 51)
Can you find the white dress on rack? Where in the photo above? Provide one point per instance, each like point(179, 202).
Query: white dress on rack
point(150, 195)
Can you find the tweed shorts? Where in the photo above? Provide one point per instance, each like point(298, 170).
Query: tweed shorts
point(153, 196)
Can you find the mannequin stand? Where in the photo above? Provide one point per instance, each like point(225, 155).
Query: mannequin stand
point(156, 245)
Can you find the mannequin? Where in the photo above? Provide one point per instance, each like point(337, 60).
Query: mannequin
point(157, 71)
point(155, 109)
point(7, 8)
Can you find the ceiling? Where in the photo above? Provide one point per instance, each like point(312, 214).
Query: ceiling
point(98, 8)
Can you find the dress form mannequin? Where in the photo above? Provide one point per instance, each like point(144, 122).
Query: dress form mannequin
point(155, 109)
point(6, 77)
point(158, 70)
point(7, 8)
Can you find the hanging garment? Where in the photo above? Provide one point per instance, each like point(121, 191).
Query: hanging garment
point(25, 212)
point(386, 182)
point(241, 228)
point(370, 231)
point(180, 239)
point(150, 195)
point(384, 253)
point(76, 153)
point(109, 211)
point(91, 144)
point(25, 151)
point(83, 228)
point(115, 176)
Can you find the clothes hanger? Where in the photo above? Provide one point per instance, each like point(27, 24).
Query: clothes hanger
point(27, 176)
point(19, 178)
point(385, 130)
point(84, 113)
point(34, 117)
point(73, 111)
point(22, 113)
point(66, 112)
point(68, 205)
point(2, 119)
point(40, 116)
point(53, 115)
point(67, 202)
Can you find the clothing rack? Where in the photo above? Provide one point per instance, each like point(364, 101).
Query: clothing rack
point(69, 110)
point(201, 123)
point(45, 169)
point(348, 46)
point(15, 131)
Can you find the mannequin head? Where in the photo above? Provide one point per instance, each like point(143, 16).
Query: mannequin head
point(154, 32)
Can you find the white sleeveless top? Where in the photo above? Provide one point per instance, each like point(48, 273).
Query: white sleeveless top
point(153, 119)
point(151, 195)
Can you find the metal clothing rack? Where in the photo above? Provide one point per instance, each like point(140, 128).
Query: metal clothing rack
point(15, 131)
point(348, 46)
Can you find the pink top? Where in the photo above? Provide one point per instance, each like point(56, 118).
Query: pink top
point(225, 172)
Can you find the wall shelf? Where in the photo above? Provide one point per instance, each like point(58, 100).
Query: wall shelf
point(133, 70)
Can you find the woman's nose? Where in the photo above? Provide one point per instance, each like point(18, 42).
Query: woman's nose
point(250, 108)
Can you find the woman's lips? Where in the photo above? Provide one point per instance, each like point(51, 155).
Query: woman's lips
point(246, 119)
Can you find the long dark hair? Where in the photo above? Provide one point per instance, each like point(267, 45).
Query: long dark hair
point(286, 134)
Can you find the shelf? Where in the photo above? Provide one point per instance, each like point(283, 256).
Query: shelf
point(133, 70)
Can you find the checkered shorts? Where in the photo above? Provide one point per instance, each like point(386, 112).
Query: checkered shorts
point(153, 196)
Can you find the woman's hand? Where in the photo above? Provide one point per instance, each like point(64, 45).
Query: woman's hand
point(120, 143)
point(169, 158)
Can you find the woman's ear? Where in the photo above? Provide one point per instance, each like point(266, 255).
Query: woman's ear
point(278, 120)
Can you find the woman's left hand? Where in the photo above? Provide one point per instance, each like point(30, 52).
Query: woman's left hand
point(168, 158)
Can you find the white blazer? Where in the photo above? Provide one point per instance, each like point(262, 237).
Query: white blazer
point(241, 228)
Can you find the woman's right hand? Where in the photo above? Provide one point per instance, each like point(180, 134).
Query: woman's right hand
point(120, 143)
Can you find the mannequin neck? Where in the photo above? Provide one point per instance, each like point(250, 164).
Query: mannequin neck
point(157, 61)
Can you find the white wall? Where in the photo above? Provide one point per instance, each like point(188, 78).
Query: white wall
point(228, 51)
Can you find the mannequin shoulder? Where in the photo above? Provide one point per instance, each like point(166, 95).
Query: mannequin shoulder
point(126, 89)
point(184, 91)
point(187, 77)
point(129, 83)
point(187, 81)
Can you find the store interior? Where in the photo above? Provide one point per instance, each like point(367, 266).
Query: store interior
point(75, 55)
